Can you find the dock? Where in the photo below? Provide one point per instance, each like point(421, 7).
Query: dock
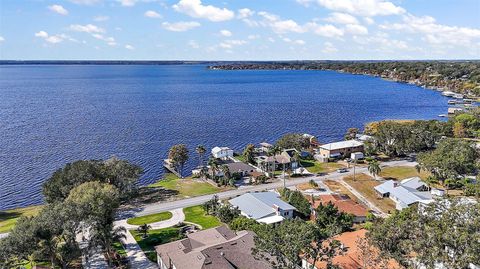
point(167, 164)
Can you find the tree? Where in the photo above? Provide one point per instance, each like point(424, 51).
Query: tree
point(293, 140)
point(211, 205)
point(200, 149)
point(227, 213)
point(120, 173)
point(96, 203)
point(351, 133)
point(143, 229)
point(374, 168)
point(296, 199)
point(248, 153)
point(331, 221)
point(458, 130)
point(452, 159)
point(213, 163)
point(226, 171)
point(178, 155)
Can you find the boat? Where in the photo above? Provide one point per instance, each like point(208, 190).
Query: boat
point(468, 101)
point(458, 96)
point(452, 102)
point(442, 116)
point(448, 93)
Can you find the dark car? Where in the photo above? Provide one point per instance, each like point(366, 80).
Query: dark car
point(342, 170)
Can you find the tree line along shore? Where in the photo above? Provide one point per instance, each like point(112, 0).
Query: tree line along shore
point(457, 76)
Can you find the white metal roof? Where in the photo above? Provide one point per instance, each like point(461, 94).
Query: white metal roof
point(342, 145)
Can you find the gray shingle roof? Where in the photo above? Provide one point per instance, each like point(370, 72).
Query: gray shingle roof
point(260, 204)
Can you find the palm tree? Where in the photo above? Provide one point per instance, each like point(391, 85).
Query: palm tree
point(374, 168)
point(200, 149)
point(105, 237)
point(143, 229)
point(273, 152)
point(212, 162)
point(203, 172)
point(248, 153)
point(226, 171)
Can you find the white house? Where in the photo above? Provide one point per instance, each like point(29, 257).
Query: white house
point(222, 152)
point(264, 207)
point(406, 192)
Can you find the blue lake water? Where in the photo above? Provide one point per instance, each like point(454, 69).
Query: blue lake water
point(51, 115)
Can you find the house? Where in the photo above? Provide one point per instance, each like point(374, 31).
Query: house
point(222, 152)
point(215, 248)
point(364, 138)
point(343, 203)
point(241, 167)
point(339, 149)
point(354, 256)
point(312, 140)
point(281, 161)
point(406, 192)
point(264, 147)
point(265, 207)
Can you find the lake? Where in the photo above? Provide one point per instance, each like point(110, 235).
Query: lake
point(54, 114)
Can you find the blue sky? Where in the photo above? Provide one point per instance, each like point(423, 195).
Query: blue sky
point(239, 30)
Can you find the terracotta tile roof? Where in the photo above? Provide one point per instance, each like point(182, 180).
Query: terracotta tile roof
point(342, 202)
point(352, 258)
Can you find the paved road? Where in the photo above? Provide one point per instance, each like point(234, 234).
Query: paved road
point(167, 206)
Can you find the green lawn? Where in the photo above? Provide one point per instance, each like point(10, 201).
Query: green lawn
point(8, 218)
point(186, 187)
point(196, 214)
point(401, 172)
point(150, 218)
point(155, 238)
point(318, 167)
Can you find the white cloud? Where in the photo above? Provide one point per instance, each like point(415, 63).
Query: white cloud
point(226, 33)
point(110, 40)
point(58, 9)
point(367, 8)
point(193, 44)
point(88, 28)
point(52, 39)
point(129, 47)
point(41, 34)
point(435, 33)
point(2, 39)
point(181, 26)
point(296, 42)
point(368, 20)
point(341, 18)
point(127, 3)
point(245, 13)
point(194, 8)
point(271, 39)
point(299, 42)
point(326, 30)
point(251, 37)
point(85, 2)
point(152, 14)
point(101, 18)
point(228, 44)
point(329, 48)
point(281, 26)
point(356, 29)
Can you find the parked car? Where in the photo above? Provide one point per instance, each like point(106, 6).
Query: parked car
point(342, 170)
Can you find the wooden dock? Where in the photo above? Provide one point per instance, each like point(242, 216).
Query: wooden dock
point(167, 164)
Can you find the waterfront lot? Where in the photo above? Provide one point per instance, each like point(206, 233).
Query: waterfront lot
point(187, 187)
point(365, 185)
point(401, 172)
point(318, 167)
point(9, 218)
point(150, 218)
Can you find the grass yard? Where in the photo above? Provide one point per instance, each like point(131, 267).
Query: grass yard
point(197, 215)
point(186, 187)
point(150, 218)
point(401, 172)
point(318, 167)
point(155, 238)
point(337, 187)
point(364, 184)
point(8, 218)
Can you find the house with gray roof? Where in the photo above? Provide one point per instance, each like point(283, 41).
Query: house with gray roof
point(216, 248)
point(406, 192)
point(264, 207)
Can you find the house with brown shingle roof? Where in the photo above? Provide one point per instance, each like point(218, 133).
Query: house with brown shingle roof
point(343, 203)
point(354, 256)
point(216, 248)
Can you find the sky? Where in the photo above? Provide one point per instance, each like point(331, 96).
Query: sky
point(239, 29)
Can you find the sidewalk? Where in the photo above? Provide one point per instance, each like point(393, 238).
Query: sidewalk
point(135, 254)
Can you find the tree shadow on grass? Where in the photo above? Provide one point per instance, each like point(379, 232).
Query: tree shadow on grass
point(8, 215)
point(151, 195)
